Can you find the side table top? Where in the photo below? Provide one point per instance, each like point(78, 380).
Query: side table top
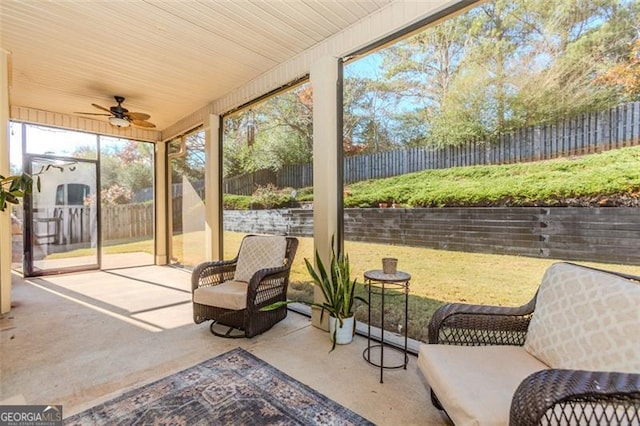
point(379, 275)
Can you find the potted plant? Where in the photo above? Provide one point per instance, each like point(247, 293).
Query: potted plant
point(339, 293)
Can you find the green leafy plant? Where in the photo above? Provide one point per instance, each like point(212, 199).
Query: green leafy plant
point(15, 187)
point(336, 285)
point(269, 197)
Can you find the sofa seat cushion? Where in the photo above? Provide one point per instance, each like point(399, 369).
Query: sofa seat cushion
point(475, 385)
point(228, 295)
point(259, 252)
point(586, 320)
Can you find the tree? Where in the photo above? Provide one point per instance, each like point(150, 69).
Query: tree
point(583, 40)
point(504, 65)
point(191, 164)
point(423, 67)
point(625, 75)
point(127, 164)
point(270, 135)
point(369, 107)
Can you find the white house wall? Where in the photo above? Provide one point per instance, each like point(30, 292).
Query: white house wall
point(386, 21)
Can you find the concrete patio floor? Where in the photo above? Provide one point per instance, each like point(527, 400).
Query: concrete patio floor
point(82, 339)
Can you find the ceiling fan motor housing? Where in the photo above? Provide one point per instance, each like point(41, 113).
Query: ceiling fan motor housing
point(118, 110)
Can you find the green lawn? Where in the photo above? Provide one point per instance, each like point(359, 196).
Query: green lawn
point(438, 277)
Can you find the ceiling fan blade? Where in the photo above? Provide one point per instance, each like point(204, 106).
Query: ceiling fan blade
point(92, 113)
point(101, 107)
point(138, 116)
point(143, 123)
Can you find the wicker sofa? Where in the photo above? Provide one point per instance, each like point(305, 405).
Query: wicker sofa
point(570, 356)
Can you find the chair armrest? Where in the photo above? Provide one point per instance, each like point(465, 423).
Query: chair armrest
point(212, 273)
point(476, 325)
point(576, 397)
point(267, 284)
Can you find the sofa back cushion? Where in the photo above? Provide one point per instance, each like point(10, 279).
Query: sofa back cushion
point(586, 320)
point(259, 252)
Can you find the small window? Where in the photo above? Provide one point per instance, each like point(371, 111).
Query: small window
point(77, 193)
point(60, 195)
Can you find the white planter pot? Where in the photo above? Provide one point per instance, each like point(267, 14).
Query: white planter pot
point(343, 334)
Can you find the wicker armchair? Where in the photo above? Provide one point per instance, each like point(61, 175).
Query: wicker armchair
point(552, 396)
point(219, 295)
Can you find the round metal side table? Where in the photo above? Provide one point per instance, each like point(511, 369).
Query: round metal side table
point(377, 282)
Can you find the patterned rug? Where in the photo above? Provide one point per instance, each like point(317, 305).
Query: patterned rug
point(234, 388)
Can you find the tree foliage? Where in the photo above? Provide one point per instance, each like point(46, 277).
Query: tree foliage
point(625, 76)
point(500, 66)
point(269, 135)
point(126, 164)
point(504, 65)
point(187, 157)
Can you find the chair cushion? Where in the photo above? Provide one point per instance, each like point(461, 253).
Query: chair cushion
point(228, 295)
point(586, 320)
point(259, 252)
point(475, 384)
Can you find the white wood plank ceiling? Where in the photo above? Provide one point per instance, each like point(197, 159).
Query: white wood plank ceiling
point(167, 58)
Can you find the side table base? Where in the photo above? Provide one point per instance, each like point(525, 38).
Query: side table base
point(366, 354)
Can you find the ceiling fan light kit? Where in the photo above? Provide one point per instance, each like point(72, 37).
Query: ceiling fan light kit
point(119, 122)
point(121, 117)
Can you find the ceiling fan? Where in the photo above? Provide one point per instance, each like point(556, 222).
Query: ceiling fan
point(121, 117)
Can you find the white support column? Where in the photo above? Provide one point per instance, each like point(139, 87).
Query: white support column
point(324, 80)
point(161, 199)
point(5, 217)
point(212, 177)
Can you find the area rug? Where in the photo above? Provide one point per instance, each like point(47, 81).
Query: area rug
point(235, 388)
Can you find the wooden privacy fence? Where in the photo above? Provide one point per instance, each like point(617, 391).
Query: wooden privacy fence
point(584, 134)
point(127, 221)
point(607, 234)
point(246, 184)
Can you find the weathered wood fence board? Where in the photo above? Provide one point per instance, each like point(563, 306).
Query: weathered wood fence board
point(127, 221)
point(585, 134)
point(607, 234)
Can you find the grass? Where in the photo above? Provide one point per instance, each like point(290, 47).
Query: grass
point(549, 183)
point(438, 277)
point(111, 247)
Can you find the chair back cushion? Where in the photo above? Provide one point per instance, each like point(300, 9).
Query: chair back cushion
point(259, 252)
point(586, 320)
